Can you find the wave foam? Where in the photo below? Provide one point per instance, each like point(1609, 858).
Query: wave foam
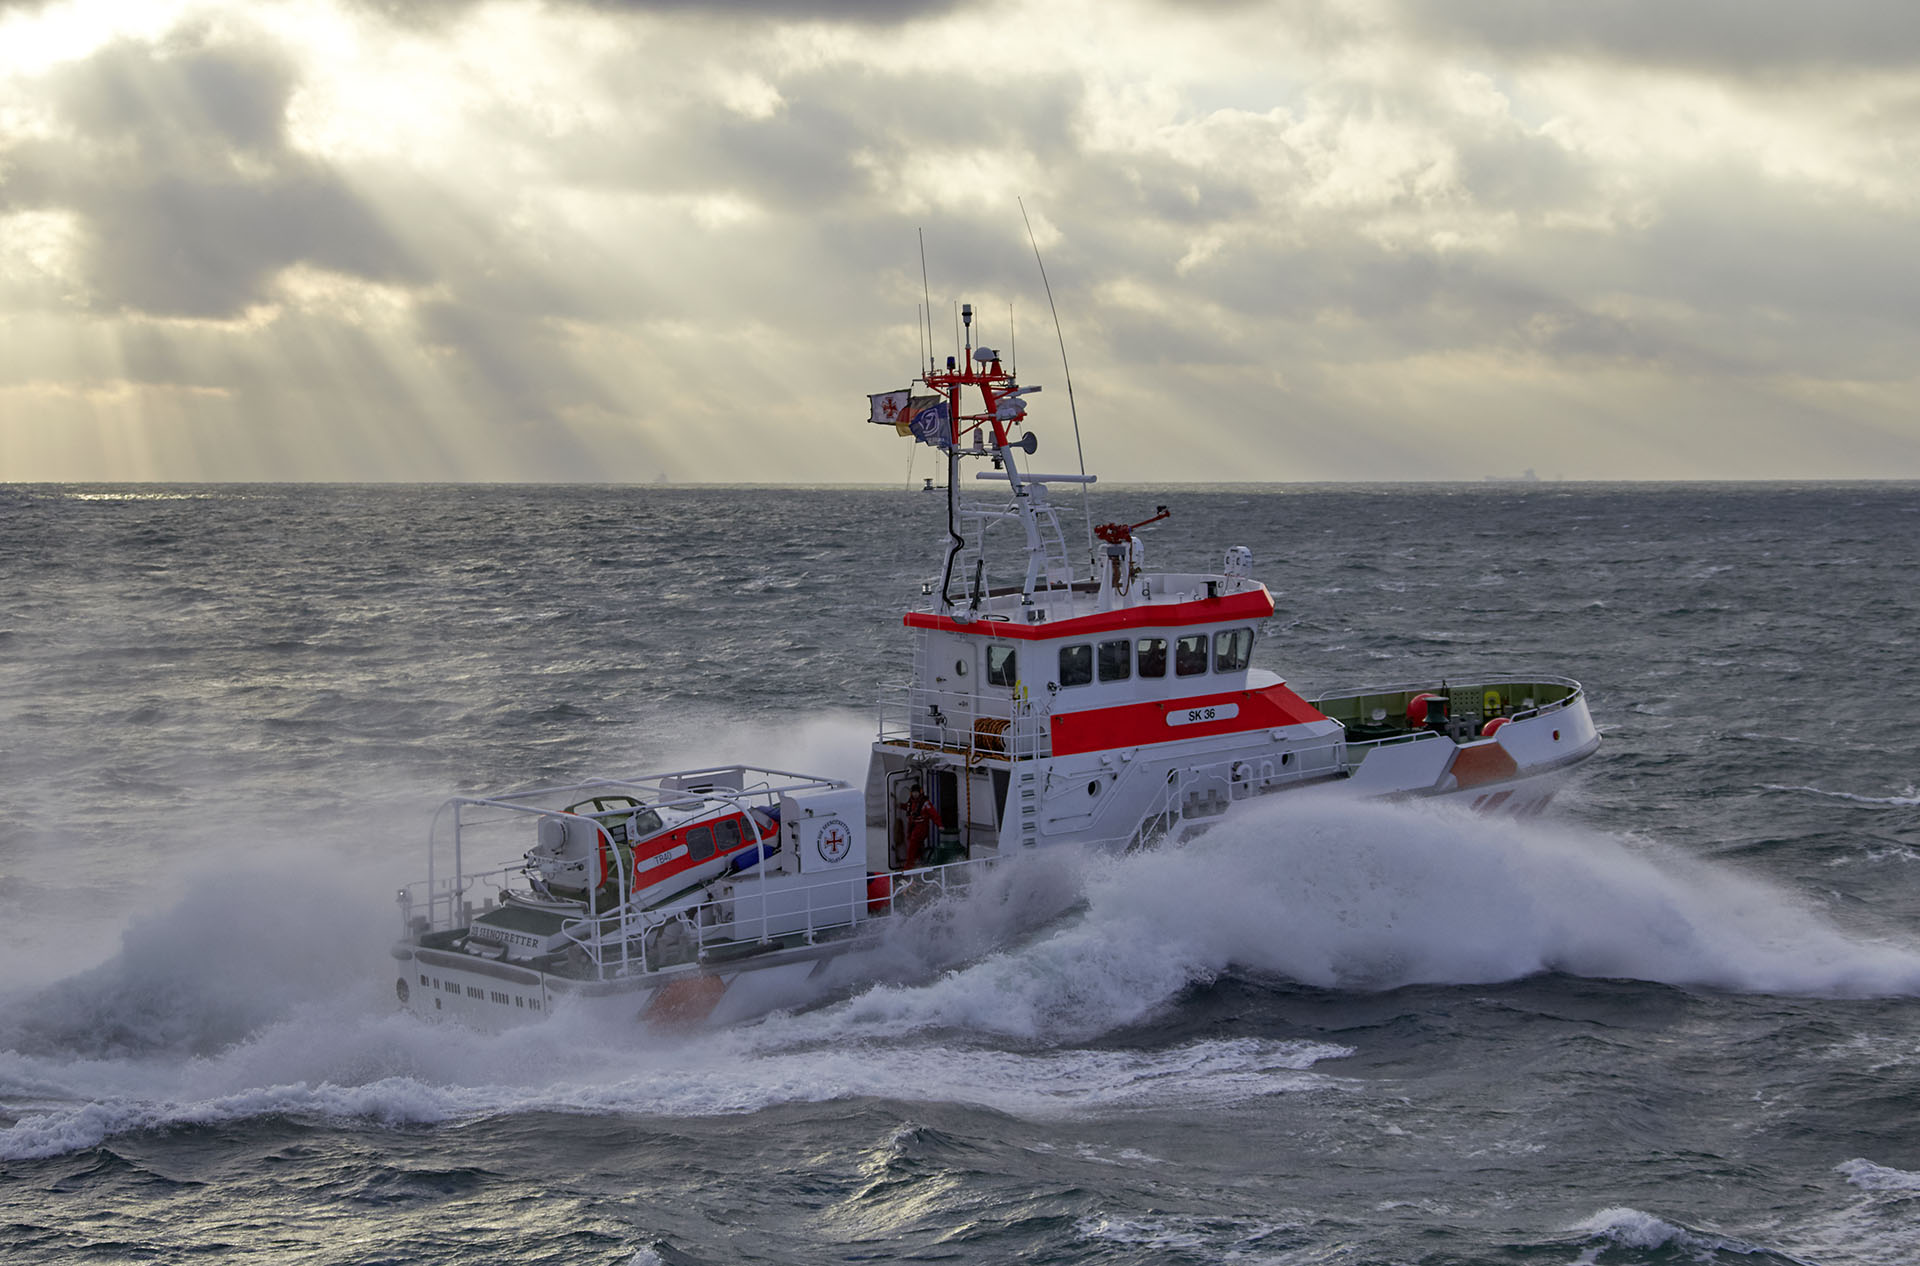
point(1908, 798)
point(242, 949)
point(207, 1016)
point(1630, 1228)
point(1346, 896)
point(725, 1075)
point(1868, 1176)
point(1374, 897)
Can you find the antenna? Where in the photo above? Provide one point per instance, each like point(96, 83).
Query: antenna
point(1085, 504)
point(926, 291)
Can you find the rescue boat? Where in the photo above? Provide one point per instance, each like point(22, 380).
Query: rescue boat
point(1056, 696)
point(617, 847)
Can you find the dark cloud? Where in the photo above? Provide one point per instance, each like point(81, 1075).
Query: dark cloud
point(1165, 190)
point(1798, 283)
point(1521, 173)
point(180, 101)
point(175, 160)
point(206, 249)
point(517, 366)
point(1799, 280)
point(1721, 36)
point(840, 137)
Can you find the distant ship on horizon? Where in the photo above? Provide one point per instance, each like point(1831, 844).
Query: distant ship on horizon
point(1524, 477)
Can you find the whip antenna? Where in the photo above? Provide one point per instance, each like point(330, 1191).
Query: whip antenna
point(1086, 505)
point(927, 291)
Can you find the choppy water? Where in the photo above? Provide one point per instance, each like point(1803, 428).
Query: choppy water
point(1673, 1022)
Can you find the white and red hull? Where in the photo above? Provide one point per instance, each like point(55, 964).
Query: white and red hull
point(1054, 699)
point(1516, 771)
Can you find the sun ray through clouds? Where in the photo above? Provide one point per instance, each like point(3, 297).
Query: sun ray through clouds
point(509, 239)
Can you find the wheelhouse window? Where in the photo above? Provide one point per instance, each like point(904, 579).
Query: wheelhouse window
point(1153, 656)
point(727, 833)
point(1231, 650)
point(1116, 660)
point(646, 822)
point(700, 843)
point(1076, 665)
point(1190, 655)
point(1001, 665)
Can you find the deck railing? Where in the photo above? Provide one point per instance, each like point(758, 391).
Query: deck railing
point(1197, 794)
point(756, 916)
point(605, 945)
point(627, 941)
point(443, 901)
point(1521, 697)
point(977, 726)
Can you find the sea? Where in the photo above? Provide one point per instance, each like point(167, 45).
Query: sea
point(1674, 1020)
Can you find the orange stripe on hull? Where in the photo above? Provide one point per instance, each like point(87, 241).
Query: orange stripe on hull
point(685, 1002)
point(1478, 764)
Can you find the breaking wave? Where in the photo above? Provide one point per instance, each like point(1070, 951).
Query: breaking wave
point(1633, 1230)
point(1371, 897)
point(203, 1018)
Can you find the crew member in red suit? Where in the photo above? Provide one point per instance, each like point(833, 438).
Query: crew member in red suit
point(922, 818)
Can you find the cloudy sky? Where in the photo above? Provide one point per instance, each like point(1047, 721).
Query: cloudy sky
point(1307, 239)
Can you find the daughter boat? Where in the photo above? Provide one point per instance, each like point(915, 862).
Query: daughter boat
point(1110, 707)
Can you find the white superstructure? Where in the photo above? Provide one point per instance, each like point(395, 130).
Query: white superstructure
point(1054, 696)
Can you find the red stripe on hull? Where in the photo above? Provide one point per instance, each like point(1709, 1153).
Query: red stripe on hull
point(1256, 604)
point(1138, 724)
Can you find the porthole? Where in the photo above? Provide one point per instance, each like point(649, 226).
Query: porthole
point(1093, 788)
point(959, 667)
point(400, 987)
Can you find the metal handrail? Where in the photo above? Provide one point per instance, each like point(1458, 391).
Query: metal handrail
point(771, 784)
point(849, 893)
point(1540, 679)
point(907, 715)
point(616, 942)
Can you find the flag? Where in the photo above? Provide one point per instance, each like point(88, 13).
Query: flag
point(923, 417)
point(888, 407)
point(926, 419)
